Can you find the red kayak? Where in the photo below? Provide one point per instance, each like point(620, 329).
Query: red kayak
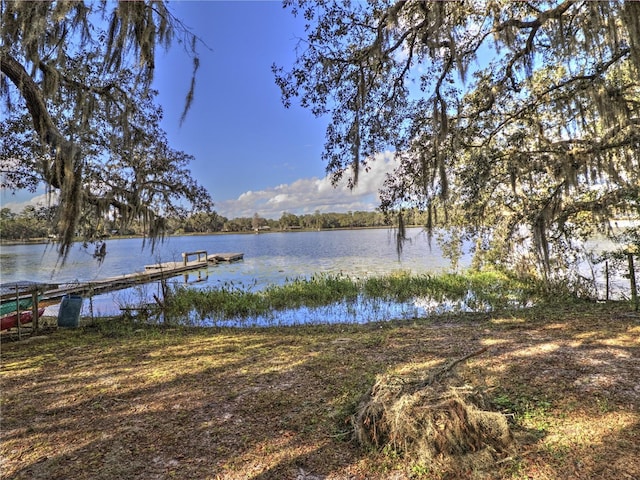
point(11, 321)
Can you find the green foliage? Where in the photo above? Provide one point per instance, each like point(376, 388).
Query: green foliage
point(516, 121)
point(479, 291)
point(529, 412)
point(317, 291)
point(419, 470)
point(31, 223)
point(208, 221)
point(479, 288)
point(79, 114)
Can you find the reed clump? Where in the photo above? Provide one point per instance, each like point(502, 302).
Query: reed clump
point(478, 291)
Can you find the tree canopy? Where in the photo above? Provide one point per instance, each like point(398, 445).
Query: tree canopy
point(80, 114)
point(519, 121)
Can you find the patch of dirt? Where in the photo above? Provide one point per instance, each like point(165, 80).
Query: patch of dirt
point(122, 401)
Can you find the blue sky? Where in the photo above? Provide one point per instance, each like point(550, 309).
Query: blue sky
point(251, 153)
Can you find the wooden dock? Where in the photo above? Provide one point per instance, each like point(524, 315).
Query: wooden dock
point(151, 273)
point(202, 259)
point(109, 284)
point(225, 257)
point(42, 294)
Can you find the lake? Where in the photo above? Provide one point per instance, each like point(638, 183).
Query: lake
point(269, 258)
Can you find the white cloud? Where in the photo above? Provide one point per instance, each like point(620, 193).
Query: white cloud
point(307, 195)
point(302, 196)
point(42, 200)
point(280, 198)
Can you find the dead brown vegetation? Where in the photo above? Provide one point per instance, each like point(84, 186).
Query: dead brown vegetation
point(436, 419)
point(120, 401)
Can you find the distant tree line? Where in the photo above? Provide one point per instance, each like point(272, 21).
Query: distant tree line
point(33, 222)
point(39, 222)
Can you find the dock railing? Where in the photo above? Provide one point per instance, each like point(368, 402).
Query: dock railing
point(201, 254)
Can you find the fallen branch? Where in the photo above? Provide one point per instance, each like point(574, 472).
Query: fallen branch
point(438, 374)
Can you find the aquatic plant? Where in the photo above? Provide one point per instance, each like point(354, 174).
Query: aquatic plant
point(479, 291)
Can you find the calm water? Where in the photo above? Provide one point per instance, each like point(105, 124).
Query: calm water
point(270, 258)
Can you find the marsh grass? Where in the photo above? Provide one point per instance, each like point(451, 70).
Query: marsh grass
point(475, 291)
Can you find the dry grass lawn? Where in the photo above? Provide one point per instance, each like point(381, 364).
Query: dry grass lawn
point(123, 402)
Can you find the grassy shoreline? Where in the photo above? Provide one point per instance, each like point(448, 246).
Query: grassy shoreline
point(470, 291)
point(117, 400)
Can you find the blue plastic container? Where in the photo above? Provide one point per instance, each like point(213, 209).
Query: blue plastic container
point(69, 313)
